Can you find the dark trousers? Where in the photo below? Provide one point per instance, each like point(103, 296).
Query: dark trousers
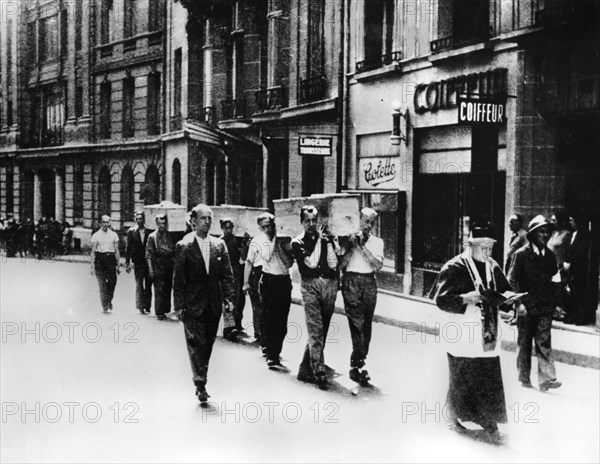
point(200, 334)
point(143, 286)
point(163, 285)
point(276, 296)
point(538, 329)
point(239, 298)
point(318, 296)
point(254, 294)
point(105, 267)
point(360, 297)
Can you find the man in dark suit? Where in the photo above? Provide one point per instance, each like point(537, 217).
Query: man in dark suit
point(137, 238)
point(532, 270)
point(203, 284)
point(518, 238)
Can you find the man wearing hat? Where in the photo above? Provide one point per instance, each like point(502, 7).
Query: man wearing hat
point(232, 321)
point(532, 269)
point(469, 289)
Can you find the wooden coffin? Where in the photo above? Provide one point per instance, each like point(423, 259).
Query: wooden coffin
point(176, 214)
point(338, 212)
point(244, 219)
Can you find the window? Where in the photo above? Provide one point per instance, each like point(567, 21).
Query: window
point(78, 196)
point(176, 184)
point(177, 83)
point(128, 104)
point(10, 194)
point(153, 108)
point(104, 192)
point(315, 38)
point(136, 17)
point(151, 190)
point(156, 15)
point(31, 39)
point(78, 22)
point(378, 33)
point(470, 20)
point(127, 195)
point(79, 101)
point(105, 110)
point(48, 43)
point(54, 117)
point(9, 54)
point(107, 20)
point(64, 32)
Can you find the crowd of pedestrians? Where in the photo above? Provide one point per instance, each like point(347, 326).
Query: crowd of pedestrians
point(43, 239)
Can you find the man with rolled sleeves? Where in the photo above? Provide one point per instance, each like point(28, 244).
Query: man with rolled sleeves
point(203, 286)
point(137, 238)
point(160, 257)
point(105, 262)
point(317, 262)
point(361, 259)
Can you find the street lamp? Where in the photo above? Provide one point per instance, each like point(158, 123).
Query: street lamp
point(399, 124)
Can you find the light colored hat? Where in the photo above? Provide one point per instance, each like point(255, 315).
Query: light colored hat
point(538, 222)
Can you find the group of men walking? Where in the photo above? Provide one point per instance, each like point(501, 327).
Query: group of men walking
point(210, 276)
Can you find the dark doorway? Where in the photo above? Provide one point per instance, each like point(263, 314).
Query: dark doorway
point(104, 192)
point(152, 186)
point(313, 175)
point(27, 194)
point(48, 189)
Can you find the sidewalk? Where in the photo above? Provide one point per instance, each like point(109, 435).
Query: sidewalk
point(575, 345)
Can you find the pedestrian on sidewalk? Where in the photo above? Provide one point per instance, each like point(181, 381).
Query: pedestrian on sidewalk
point(252, 275)
point(469, 288)
point(105, 262)
point(532, 270)
point(360, 260)
point(232, 322)
point(137, 239)
point(274, 254)
point(203, 286)
point(160, 258)
point(317, 262)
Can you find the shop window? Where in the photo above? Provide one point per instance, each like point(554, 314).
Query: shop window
point(105, 110)
point(128, 105)
point(378, 34)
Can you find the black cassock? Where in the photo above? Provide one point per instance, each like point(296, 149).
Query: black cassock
point(476, 390)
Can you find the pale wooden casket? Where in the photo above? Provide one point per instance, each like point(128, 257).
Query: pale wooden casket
point(176, 214)
point(339, 213)
point(244, 219)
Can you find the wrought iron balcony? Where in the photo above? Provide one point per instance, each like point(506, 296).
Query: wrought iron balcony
point(271, 99)
point(312, 89)
point(447, 43)
point(233, 109)
point(390, 57)
point(377, 61)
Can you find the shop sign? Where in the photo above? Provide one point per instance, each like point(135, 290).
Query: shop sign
point(434, 96)
point(375, 172)
point(315, 146)
point(484, 112)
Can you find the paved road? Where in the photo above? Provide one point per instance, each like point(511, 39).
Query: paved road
point(81, 386)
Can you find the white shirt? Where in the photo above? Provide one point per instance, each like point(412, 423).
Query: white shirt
point(261, 252)
point(105, 242)
point(204, 244)
point(358, 263)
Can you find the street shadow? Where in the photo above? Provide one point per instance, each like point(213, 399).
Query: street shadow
point(495, 439)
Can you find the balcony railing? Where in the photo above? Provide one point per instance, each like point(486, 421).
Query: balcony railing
point(312, 89)
point(375, 62)
point(271, 99)
point(53, 137)
point(233, 109)
point(447, 43)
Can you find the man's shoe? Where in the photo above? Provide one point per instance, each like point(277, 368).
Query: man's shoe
point(545, 386)
point(359, 375)
point(202, 394)
point(142, 311)
point(456, 426)
point(308, 378)
point(161, 317)
point(526, 384)
point(264, 351)
point(274, 362)
point(321, 379)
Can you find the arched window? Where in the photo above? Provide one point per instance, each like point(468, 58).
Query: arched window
point(176, 178)
point(104, 192)
point(127, 198)
point(151, 191)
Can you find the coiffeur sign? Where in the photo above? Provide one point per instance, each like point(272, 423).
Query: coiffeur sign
point(377, 172)
point(485, 112)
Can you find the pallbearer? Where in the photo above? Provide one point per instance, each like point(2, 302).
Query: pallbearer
point(361, 259)
point(137, 239)
point(470, 287)
point(160, 256)
point(105, 262)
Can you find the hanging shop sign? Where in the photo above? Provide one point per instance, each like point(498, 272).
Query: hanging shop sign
point(315, 145)
point(476, 111)
point(377, 172)
point(434, 96)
